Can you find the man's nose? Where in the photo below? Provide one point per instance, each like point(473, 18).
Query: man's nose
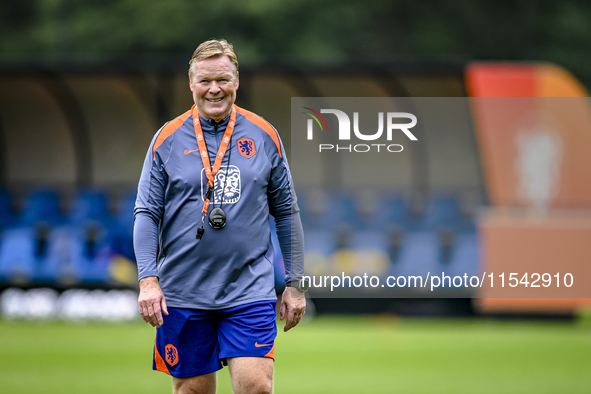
point(214, 87)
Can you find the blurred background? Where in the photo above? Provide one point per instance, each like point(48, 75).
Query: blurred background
point(85, 84)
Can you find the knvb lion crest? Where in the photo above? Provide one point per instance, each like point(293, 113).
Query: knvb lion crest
point(246, 147)
point(172, 355)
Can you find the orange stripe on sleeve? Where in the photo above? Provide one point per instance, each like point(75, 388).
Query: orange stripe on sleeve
point(169, 129)
point(160, 364)
point(263, 124)
point(271, 353)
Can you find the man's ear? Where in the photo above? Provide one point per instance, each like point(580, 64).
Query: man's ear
point(237, 80)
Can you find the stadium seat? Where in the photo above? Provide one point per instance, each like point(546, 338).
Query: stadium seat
point(122, 236)
point(18, 261)
point(465, 258)
point(77, 254)
point(444, 210)
point(329, 210)
point(56, 266)
point(90, 254)
point(367, 251)
point(319, 246)
point(393, 212)
point(90, 205)
point(7, 216)
point(125, 212)
point(375, 240)
point(42, 206)
point(342, 211)
point(419, 254)
point(321, 241)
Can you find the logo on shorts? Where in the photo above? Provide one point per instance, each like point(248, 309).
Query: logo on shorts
point(172, 355)
point(256, 344)
point(246, 147)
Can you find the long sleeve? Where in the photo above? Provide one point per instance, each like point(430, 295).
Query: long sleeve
point(145, 244)
point(290, 234)
point(148, 211)
point(284, 208)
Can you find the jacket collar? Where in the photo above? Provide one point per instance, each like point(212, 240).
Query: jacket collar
point(210, 125)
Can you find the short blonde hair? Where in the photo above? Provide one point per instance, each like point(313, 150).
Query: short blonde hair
point(213, 48)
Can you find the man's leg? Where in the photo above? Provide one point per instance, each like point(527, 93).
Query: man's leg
point(187, 349)
point(247, 342)
point(251, 375)
point(203, 384)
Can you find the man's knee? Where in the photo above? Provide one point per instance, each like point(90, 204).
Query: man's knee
point(204, 384)
point(259, 385)
point(254, 386)
point(251, 375)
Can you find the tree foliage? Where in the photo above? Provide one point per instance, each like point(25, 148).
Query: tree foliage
point(316, 31)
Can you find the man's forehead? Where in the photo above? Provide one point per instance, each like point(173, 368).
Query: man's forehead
point(216, 64)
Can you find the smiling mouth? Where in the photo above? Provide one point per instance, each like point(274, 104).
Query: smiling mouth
point(216, 100)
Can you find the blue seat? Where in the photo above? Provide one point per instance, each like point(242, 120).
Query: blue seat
point(444, 210)
point(91, 254)
point(323, 242)
point(75, 256)
point(342, 212)
point(419, 254)
point(320, 245)
point(122, 235)
point(7, 216)
point(125, 212)
point(393, 211)
point(334, 211)
point(90, 205)
point(42, 206)
point(466, 256)
point(366, 251)
point(18, 261)
point(375, 240)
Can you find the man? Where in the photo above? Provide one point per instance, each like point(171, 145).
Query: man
point(210, 180)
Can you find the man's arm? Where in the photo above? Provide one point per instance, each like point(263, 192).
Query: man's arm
point(147, 216)
point(284, 208)
point(290, 235)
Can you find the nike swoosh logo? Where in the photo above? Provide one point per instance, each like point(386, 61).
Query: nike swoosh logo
point(257, 344)
point(190, 151)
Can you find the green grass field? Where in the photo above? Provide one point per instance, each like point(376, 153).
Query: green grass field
point(325, 355)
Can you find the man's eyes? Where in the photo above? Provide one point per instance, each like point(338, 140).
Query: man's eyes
point(223, 80)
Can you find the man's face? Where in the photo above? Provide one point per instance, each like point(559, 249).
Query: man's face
point(214, 86)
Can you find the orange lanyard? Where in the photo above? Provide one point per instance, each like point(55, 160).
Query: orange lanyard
point(209, 172)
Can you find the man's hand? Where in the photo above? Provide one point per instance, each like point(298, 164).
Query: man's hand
point(151, 301)
point(293, 306)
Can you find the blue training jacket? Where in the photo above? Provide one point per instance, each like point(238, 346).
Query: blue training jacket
point(228, 266)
